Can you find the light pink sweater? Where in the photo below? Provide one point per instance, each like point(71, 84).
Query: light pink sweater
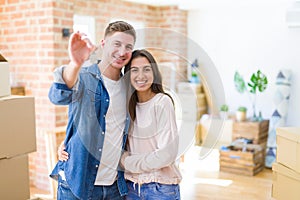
point(153, 143)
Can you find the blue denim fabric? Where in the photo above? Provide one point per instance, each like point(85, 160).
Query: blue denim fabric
point(63, 191)
point(99, 192)
point(88, 103)
point(152, 191)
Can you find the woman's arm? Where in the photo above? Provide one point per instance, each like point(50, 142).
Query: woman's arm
point(168, 142)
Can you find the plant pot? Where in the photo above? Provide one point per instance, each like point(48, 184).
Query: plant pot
point(241, 116)
point(223, 115)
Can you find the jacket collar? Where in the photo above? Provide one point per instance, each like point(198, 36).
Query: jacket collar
point(94, 69)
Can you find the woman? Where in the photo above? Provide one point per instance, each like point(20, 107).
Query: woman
point(152, 144)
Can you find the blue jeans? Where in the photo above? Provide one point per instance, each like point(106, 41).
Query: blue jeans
point(152, 191)
point(100, 192)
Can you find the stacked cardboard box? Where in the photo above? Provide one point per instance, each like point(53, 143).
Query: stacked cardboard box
point(286, 169)
point(247, 159)
point(4, 77)
point(193, 100)
point(193, 105)
point(209, 125)
point(17, 139)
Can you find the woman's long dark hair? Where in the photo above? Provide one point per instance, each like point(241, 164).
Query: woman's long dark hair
point(156, 86)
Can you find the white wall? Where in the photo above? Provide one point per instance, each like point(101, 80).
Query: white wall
point(247, 38)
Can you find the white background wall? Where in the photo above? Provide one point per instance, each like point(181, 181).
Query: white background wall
point(248, 37)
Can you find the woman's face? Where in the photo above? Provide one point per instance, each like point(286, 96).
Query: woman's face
point(141, 74)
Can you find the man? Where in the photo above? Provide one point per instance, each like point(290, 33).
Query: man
point(97, 126)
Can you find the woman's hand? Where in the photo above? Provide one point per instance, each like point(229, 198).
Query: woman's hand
point(62, 154)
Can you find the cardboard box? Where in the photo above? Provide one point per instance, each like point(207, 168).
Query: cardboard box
point(4, 77)
point(224, 137)
point(288, 147)
point(189, 88)
point(186, 131)
point(14, 182)
point(286, 183)
point(17, 126)
point(192, 106)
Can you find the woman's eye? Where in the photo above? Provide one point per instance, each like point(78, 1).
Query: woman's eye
point(134, 70)
point(147, 69)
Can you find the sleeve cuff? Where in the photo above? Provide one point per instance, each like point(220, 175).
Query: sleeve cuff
point(58, 77)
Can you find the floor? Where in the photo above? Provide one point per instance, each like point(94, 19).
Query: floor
point(203, 180)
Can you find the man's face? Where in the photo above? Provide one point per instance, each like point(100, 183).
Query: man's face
point(117, 49)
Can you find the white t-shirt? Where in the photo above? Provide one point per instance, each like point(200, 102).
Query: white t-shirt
point(115, 123)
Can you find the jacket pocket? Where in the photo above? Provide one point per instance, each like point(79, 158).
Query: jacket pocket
point(94, 100)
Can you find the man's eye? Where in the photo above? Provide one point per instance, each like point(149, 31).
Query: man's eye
point(129, 48)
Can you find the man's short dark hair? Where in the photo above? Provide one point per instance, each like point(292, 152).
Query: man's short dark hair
point(120, 26)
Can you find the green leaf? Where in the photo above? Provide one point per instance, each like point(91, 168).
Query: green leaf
point(258, 82)
point(239, 83)
point(224, 108)
point(254, 78)
point(242, 109)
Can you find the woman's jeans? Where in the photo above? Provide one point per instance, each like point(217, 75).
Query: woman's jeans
point(100, 192)
point(152, 191)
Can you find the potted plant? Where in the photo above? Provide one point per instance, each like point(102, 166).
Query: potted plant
point(224, 111)
point(241, 114)
point(258, 83)
point(194, 74)
point(195, 78)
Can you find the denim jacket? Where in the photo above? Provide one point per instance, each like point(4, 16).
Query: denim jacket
point(88, 103)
